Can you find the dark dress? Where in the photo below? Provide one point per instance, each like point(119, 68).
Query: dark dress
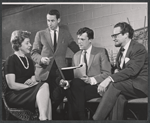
point(24, 98)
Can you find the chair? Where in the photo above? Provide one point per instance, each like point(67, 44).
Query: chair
point(20, 114)
point(137, 109)
point(91, 106)
point(90, 110)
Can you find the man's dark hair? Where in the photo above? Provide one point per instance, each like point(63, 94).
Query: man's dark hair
point(125, 28)
point(54, 12)
point(90, 33)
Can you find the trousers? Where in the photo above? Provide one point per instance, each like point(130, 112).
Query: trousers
point(78, 93)
point(57, 93)
point(115, 98)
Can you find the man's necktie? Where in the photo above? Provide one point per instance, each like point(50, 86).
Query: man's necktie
point(120, 55)
point(55, 43)
point(85, 60)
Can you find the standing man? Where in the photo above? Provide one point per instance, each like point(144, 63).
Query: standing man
point(130, 79)
point(96, 67)
point(49, 52)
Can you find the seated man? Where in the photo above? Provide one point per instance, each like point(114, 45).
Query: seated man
point(130, 79)
point(96, 67)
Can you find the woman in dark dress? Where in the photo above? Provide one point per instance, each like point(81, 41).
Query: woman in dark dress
point(24, 91)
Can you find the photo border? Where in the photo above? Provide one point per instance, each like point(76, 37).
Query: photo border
point(62, 121)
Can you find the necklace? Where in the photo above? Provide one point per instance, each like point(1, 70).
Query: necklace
point(23, 62)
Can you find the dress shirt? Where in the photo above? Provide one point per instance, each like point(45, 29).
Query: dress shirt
point(52, 35)
point(88, 53)
point(123, 57)
point(124, 53)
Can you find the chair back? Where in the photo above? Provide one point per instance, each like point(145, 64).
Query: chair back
point(4, 83)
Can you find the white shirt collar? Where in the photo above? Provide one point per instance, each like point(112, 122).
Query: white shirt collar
point(88, 50)
point(52, 33)
point(87, 54)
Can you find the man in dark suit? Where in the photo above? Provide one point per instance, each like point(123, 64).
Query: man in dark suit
point(96, 67)
point(49, 52)
point(130, 79)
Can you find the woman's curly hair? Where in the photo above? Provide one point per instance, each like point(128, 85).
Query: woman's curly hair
point(17, 37)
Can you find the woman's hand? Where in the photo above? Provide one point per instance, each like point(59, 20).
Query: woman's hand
point(33, 79)
point(31, 82)
point(28, 82)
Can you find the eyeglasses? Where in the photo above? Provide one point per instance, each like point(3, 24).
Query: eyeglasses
point(115, 35)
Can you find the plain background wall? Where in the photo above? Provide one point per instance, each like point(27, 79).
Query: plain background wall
point(99, 17)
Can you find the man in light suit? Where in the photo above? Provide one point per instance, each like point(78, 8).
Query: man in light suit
point(130, 79)
point(49, 52)
point(84, 86)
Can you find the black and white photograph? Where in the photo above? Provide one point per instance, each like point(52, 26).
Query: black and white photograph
point(74, 61)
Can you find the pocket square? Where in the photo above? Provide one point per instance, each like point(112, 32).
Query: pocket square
point(126, 59)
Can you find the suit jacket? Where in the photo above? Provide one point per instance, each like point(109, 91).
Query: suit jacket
point(99, 66)
point(43, 47)
point(136, 68)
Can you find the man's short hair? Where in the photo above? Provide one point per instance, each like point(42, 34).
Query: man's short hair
point(54, 12)
point(125, 28)
point(90, 33)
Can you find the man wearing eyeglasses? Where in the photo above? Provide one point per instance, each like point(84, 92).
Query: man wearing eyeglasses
point(130, 79)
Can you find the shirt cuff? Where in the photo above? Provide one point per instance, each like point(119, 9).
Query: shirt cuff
point(111, 78)
point(93, 81)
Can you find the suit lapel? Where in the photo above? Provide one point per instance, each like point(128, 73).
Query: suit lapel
point(49, 39)
point(78, 59)
point(93, 52)
point(130, 48)
point(117, 61)
point(128, 51)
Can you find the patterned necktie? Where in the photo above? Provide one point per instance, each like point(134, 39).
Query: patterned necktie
point(85, 60)
point(55, 43)
point(120, 55)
